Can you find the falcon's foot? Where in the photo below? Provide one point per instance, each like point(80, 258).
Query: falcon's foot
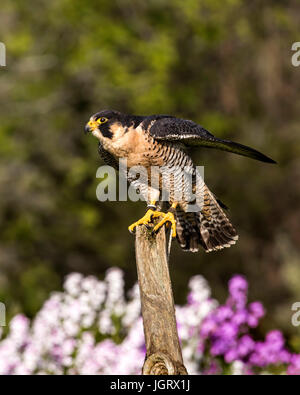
point(167, 217)
point(150, 214)
point(145, 220)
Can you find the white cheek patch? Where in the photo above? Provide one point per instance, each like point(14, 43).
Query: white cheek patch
point(117, 132)
point(97, 134)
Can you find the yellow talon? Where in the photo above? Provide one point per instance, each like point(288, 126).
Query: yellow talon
point(147, 218)
point(144, 220)
point(167, 217)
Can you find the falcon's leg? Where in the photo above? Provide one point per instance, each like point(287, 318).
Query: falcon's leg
point(167, 217)
point(147, 218)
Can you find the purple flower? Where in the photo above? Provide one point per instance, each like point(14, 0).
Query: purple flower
point(255, 312)
point(252, 321)
point(237, 285)
point(228, 330)
point(256, 309)
point(271, 351)
point(240, 317)
point(220, 346)
point(245, 346)
point(208, 327)
point(260, 356)
point(284, 356)
point(92, 328)
point(223, 313)
point(231, 355)
point(238, 288)
point(275, 340)
point(294, 367)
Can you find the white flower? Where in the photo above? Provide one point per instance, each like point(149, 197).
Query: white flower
point(72, 284)
point(105, 323)
point(237, 368)
point(89, 283)
point(97, 295)
point(60, 328)
point(88, 320)
point(70, 328)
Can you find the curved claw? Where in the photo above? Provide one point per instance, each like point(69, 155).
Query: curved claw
point(145, 220)
point(167, 217)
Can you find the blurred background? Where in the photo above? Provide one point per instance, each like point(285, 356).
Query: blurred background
point(226, 65)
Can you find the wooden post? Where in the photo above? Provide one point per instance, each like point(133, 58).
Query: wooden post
point(163, 355)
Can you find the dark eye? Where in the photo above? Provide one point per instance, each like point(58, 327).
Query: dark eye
point(102, 120)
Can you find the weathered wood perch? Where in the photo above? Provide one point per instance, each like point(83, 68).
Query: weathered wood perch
point(163, 356)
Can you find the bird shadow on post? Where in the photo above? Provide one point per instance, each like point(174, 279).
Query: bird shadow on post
point(163, 352)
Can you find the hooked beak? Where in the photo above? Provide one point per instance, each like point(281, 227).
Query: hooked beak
point(91, 126)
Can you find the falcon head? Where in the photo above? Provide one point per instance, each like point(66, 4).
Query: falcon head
point(103, 124)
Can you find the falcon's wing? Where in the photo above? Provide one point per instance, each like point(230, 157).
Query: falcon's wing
point(192, 134)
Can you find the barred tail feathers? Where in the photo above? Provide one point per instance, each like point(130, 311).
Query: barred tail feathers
point(209, 228)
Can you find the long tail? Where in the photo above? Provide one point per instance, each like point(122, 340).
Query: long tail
point(209, 228)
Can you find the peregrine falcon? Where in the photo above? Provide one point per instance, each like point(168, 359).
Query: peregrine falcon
point(157, 141)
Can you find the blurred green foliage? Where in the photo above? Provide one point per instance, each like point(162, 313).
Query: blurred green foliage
point(225, 64)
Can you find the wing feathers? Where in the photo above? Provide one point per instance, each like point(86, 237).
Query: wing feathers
point(236, 148)
point(192, 134)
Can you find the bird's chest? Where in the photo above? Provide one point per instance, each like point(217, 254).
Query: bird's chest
point(139, 149)
point(149, 153)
